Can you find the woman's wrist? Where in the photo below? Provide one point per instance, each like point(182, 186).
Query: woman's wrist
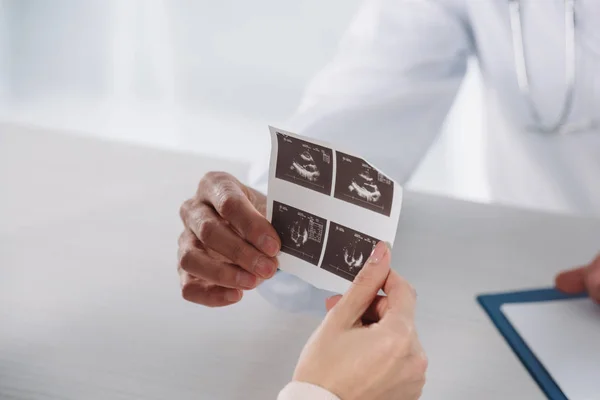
point(303, 391)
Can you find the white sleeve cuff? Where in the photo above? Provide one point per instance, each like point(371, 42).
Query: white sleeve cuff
point(305, 391)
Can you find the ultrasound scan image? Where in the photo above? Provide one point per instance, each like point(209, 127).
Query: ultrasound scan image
point(358, 183)
point(305, 164)
point(301, 233)
point(347, 251)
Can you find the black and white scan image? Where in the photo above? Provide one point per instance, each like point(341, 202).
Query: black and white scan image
point(347, 251)
point(305, 164)
point(357, 182)
point(301, 233)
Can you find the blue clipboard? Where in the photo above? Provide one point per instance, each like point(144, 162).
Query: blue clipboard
point(491, 303)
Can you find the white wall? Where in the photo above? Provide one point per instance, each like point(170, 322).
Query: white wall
point(192, 75)
point(182, 73)
point(4, 40)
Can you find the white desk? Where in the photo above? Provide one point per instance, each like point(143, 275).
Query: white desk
point(89, 299)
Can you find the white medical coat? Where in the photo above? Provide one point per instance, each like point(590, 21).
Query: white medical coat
point(397, 71)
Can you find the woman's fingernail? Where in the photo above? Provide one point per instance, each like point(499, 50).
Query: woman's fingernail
point(268, 245)
point(378, 252)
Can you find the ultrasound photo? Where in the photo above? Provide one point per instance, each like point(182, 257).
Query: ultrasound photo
point(347, 251)
point(301, 233)
point(357, 182)
point(303, 163)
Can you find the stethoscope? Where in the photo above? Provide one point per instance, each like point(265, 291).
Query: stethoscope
point(516, 24)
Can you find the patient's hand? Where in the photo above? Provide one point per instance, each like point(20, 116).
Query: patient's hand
point(367, 348)
point(227, 244)
point(582, 279)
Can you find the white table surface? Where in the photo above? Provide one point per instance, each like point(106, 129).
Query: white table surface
point(89, 299)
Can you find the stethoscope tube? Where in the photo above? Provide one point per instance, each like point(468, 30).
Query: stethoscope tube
point(516, 24)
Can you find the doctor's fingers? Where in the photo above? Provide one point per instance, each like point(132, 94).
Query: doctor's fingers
point(582, 279)
point(233, 201)
point(199, 291)
point(197, 261)
point(214, 233)
point(592, 279)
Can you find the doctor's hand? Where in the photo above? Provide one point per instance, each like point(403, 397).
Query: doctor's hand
point(227, 244)
point(583, 279)
point(357, 360)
